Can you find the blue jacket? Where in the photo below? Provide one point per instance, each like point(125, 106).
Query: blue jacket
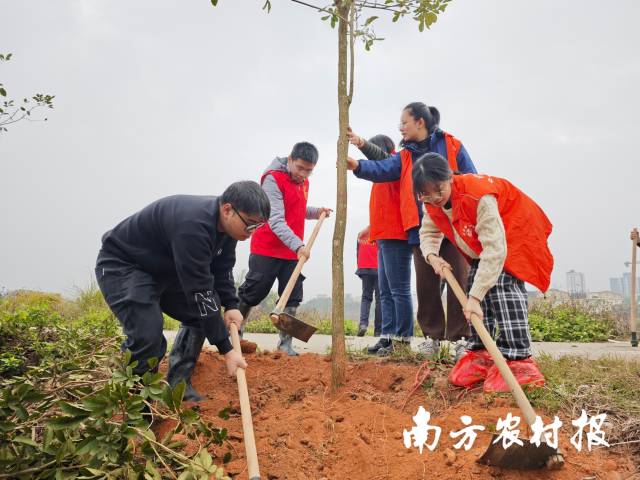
point(388, 170)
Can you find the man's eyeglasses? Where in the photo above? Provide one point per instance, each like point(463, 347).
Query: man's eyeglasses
point(248, 227)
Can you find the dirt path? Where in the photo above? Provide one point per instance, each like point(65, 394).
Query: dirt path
point(303, 432)
point(321, 344)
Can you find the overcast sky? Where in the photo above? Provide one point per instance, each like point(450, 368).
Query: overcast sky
point(160, 97)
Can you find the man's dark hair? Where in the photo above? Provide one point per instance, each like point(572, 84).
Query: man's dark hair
point(435, 113)
point(384, 142)
point(419, 110)
point(305, 151)
point(248, 197)
point(429, 169)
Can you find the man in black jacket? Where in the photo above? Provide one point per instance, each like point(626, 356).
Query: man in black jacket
point(176, 256)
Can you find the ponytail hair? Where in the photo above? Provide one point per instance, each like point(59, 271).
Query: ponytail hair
point(419, 110)
point(435, 113)
point(430, 169)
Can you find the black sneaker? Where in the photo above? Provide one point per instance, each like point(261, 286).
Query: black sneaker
point(362, 330)
point(382, 343)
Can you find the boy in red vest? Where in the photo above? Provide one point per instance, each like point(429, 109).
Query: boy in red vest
point(367, 255)
point(503, 234)
point(277, 246)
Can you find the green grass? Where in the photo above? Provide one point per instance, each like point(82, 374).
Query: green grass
point(609, 385)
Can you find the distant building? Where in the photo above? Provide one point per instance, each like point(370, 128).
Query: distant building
point(622, 285)
point(615, 284)
point(576, 284)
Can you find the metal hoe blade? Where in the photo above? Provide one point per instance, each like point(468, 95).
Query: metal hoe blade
point(525, 457)
point(296, 328)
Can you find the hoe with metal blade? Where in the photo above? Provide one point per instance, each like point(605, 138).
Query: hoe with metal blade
point(288, 323)
point(527, 456)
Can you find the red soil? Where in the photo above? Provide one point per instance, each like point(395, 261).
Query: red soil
point(302, 432)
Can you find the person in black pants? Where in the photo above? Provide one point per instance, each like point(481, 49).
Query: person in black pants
point(176, 256)
point(277, 246)
point(367, 255)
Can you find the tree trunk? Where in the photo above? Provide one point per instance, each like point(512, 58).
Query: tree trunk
point(338, 353)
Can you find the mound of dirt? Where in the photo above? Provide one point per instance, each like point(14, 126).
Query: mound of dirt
point(303, 432)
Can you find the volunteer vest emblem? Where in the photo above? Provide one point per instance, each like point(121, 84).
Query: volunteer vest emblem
point(467, 231)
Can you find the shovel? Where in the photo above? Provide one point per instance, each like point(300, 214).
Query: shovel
point(288, 323)
point(245, 412)
point(525, 457)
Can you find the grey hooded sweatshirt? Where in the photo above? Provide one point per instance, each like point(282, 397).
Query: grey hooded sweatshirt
point(277, 220)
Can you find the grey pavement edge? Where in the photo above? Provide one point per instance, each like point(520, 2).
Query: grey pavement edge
point(322, 343)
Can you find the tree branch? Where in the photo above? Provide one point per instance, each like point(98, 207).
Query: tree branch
point(352, 14)
point(319, 9)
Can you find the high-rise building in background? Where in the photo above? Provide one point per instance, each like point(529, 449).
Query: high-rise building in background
point(615, 284)
point(576, 284)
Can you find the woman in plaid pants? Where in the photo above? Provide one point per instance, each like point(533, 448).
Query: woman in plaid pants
point(503, 234)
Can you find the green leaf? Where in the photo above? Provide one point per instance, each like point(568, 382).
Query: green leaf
point(86, 446)
point(62, 423)
point(153, 362)
point(178, 393)
point(326, 17)
point(8, 57)
point(3, 92)
point(226, 458)
point(185, 476)
point(214, 2)
point(370, 20)
point(224, 413)
point(26, 441)
point(74, 410)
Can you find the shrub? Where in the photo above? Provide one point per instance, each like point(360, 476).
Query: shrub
point(71, 406)
point(567, 324)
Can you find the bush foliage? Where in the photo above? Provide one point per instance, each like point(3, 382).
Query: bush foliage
point(71, 406)
point(567, 323)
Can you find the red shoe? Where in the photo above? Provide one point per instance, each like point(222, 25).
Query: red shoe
point(472, 368)
point(526, 372)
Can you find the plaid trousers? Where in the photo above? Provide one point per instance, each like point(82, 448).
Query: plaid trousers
point(505, 316)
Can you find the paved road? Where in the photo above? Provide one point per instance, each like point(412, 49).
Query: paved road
point(322, 343)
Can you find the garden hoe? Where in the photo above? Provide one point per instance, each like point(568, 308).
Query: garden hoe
point(288, 323)
point(525, 457)
point(245, 411)
point(633, 302)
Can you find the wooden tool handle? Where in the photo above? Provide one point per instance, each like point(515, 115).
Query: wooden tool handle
point(296, 272)
point(521, 399)
point(633, 301)
point(245, 411)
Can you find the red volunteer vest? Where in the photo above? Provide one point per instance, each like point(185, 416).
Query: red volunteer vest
point(367, 255)
point(526, 226)
point(294, 196)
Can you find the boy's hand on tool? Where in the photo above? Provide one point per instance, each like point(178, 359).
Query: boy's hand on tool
point(472, 307)
point(233, 316)
point(325, 210)
point(352, 163)
point(303, 252)
point(634, 234)
point(438, 263)
point(354, 139)
point(234, 360)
